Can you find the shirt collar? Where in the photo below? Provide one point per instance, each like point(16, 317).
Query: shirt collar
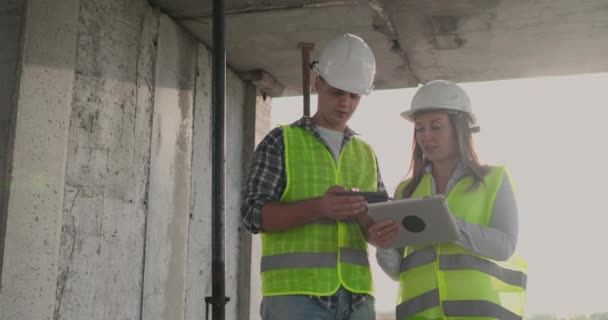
point(306, 122)
point(460, 171)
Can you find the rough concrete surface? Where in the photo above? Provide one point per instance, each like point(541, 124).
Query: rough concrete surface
point(198, 278)
point(11, 17)
point(35, 203)
point(114, 113)
point(102, 239)
point(170, 171)
point(235, 105)
point(414, 41)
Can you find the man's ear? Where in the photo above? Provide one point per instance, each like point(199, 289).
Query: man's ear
point(318, 84)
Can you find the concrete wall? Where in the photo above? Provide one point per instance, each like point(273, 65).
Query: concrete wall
point(11, 17)
point(169, 191)
point(35, 203)
point(109, 212)
point(105, 207)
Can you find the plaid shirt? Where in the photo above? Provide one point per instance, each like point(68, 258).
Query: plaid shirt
point(267, 180)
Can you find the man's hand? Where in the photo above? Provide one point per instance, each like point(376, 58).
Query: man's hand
point(381, 234)
point(337, 207)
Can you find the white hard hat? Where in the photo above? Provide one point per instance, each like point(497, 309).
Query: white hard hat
point(347, 63)
point(440, 95)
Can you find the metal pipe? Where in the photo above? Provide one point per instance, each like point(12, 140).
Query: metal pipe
point(306, 48)
point(218, 299)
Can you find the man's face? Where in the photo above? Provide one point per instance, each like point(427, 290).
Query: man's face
point(335, 106)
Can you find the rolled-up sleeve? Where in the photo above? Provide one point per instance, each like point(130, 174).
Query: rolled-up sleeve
point(266, 180)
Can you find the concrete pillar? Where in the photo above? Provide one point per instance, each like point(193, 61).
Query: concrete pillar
point(235, 120)
point(35, 203)
point(11, 19)
point(198, 278)
point(103, 231)
point(256, 125)
point(166, 247)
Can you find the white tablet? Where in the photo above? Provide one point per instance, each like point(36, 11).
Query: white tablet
point(422, 220)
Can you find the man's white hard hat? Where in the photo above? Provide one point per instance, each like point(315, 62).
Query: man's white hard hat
point(347, 63)
point(440, 95)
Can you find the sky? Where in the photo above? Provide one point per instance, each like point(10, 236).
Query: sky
point(552, 134)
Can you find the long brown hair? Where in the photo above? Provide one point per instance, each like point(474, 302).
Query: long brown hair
point(466, 153)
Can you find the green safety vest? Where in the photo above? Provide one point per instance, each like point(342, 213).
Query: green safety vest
point(316, 258)
point(444, 281)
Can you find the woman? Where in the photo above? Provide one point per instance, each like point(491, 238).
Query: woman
point(476, 276)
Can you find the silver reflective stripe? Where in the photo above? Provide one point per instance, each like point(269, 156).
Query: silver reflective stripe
point(477, 308)
point(468, 262)
point(418, 304)
point(354, 256)
point(418, 258)
point(299, 260)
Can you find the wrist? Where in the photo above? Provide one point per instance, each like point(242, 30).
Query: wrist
point(317, 208)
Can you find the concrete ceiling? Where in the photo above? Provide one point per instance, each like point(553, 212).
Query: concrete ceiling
point(415, 40)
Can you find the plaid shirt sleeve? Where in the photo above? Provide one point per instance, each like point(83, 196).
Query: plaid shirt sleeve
point(266, 181)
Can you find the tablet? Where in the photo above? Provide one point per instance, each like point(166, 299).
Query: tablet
point(422, 220)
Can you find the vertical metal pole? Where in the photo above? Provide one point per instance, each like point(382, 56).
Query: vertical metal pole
point(218, 85)
point(306, 48)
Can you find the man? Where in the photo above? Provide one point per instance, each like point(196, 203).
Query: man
point(314, 251)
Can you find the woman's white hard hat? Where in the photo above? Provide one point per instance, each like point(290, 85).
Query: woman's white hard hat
point(440, 95)
point(347, 63)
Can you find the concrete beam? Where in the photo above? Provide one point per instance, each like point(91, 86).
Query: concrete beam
point(263, 80)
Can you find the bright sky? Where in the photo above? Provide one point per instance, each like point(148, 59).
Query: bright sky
point(552, 135)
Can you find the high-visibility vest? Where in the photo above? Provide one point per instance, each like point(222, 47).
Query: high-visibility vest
point(316, 258)
point(445, 281)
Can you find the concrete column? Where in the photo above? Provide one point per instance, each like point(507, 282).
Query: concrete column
point(103, 230)
point(35, 203)
point(198, 283)
point(256, 125)
point(11, 19)
point(166, 248)
point(235, 120)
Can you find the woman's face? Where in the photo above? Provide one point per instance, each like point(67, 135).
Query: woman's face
point(436, 136)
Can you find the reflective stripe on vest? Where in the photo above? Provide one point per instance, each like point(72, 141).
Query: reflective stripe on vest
point(314, 259)
point(454, 308)
point(463, 262)
point(317, 258)
point(469, 262)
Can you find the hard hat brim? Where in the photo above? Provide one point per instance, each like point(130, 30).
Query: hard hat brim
point(409, 114)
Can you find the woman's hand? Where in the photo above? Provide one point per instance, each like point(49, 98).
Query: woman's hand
point(381, 234)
